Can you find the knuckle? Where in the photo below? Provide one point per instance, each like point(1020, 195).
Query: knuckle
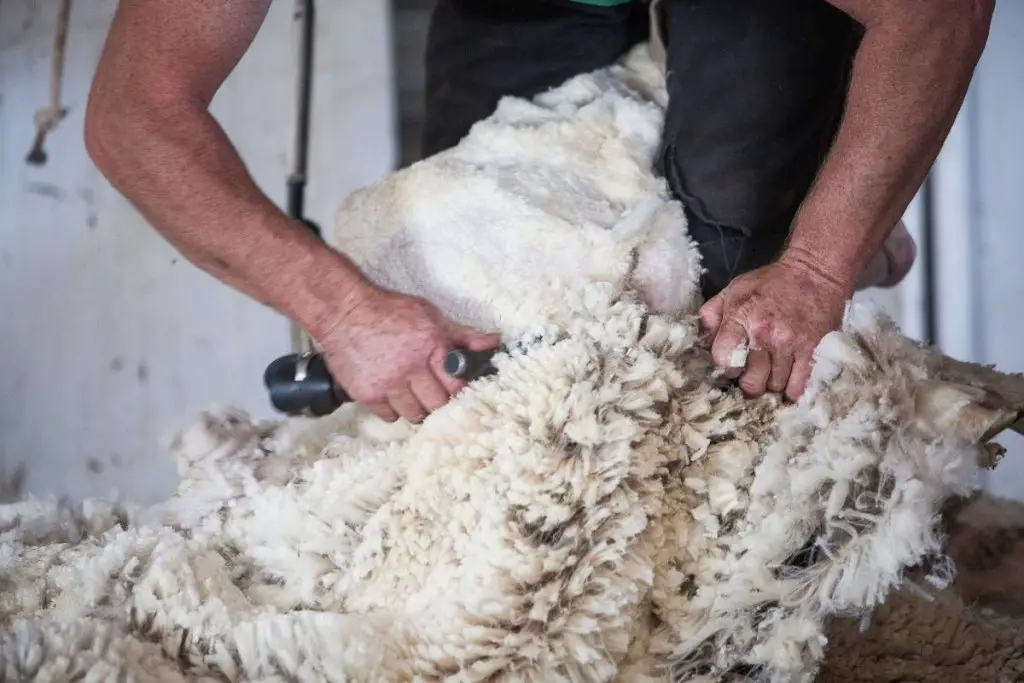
point(759, 329)
point(784, 335)
point(708, 316)
point(369, 390)
point(361, 393)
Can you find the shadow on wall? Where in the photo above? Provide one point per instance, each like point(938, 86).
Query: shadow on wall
point(12, 481)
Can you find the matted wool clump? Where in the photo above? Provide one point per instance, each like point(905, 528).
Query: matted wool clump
point(605, 508)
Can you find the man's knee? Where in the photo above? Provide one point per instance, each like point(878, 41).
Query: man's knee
point(756, 92)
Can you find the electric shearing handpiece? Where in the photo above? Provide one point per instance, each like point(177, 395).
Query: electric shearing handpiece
point(301, 384)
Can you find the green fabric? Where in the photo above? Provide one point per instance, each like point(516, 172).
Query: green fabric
point(603, 3)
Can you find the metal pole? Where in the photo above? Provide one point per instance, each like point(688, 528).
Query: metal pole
point(928, 261)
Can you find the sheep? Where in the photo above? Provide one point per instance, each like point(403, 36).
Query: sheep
point(606, 507)
point(972, 630)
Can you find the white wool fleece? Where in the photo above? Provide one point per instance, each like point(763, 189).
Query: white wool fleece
point(605, 508)
point(538, 200)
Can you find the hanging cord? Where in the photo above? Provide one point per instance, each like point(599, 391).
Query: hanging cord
point(304, 19)
point(47, 119)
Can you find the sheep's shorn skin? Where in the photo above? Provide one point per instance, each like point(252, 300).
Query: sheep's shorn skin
point(605, 508)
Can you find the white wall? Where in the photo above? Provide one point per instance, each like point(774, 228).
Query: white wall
point(110, 339)
point(992, 168)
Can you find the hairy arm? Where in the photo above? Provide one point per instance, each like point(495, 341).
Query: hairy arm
point(148, 129)
point(910, 77)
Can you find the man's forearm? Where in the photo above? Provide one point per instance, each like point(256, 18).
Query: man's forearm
point(910, 76)
point(178, 168)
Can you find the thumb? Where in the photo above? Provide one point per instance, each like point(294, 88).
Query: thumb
point(710, 315)
point(473, 340)
point(729, 348)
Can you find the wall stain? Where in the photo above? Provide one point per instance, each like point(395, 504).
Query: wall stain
point(142, 372)
point(47, 190)
point(89, 197)
point(26, 28)
point(12, 484)
point(94, 465)
point(117, 365)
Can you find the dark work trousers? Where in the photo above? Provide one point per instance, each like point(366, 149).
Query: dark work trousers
point(756, 93)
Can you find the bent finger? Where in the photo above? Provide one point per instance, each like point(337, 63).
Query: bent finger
point(405, 403)
point(729, 350)
point(798, 377)
point(782, 367)
point(428, 391)
point(383, 410)
point(758, 369)
point(473, 340)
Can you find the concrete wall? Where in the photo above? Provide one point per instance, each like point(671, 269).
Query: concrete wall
point(110, 340)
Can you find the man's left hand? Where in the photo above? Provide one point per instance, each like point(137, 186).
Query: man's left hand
point(779, 312)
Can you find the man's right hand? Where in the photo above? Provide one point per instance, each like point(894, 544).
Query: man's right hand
point(149, 130)
point(388, 353)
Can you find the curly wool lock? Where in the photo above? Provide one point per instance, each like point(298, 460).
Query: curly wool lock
point(605, 508)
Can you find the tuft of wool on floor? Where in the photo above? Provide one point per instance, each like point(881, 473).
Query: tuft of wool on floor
point(605, 508)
